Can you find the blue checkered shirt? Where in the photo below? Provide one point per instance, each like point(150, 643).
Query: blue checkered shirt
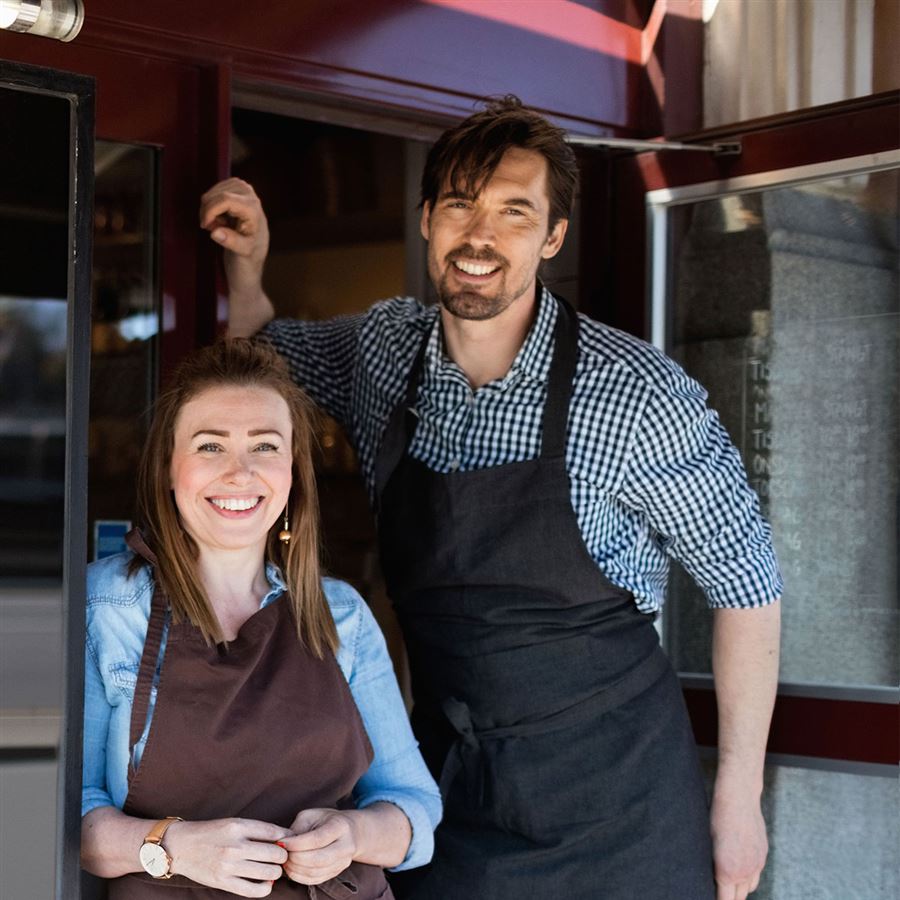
point(653, 473)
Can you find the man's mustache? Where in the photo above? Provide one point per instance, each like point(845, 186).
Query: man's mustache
point(485, 255)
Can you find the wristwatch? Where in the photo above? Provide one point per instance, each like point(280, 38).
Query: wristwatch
point(153, 856)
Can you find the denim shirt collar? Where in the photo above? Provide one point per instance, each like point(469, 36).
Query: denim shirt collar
point(276, 584)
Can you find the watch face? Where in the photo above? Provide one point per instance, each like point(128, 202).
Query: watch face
point(155, 860)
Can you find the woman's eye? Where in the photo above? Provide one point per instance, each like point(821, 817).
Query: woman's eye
point(266, 447)
point(209, 448)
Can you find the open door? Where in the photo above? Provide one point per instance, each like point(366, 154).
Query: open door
point(46, 220)
point(773, 279)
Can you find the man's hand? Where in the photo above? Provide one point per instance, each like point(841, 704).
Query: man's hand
point(231, 212)
point(235, 855)
point(324, 843)
point(234, 217)
point(740, 845)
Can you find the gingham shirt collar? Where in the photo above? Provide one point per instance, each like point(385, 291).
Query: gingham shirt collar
point(532, 362)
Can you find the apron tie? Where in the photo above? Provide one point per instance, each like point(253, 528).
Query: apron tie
point(464, 754)
point(467, 751)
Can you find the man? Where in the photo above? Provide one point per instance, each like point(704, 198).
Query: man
point(530, 471)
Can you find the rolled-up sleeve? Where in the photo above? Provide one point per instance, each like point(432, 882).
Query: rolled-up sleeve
point(398, 773)
point(97, 713)
point(687, 477)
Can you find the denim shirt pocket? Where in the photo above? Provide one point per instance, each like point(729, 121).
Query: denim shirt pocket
point(124, 676)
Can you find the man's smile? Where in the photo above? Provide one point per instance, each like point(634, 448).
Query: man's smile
point(472, 268)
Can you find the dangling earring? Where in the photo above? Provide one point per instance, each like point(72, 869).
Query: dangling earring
point(285, 534)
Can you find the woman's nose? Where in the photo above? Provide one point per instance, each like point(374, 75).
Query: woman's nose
point(240, 469)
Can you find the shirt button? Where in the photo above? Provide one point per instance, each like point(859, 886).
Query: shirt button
point(454, 465)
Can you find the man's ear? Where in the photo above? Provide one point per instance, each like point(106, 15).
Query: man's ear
point(425, 221)
point(555, 239)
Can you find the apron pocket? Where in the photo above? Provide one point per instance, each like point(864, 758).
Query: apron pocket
point(340, 888)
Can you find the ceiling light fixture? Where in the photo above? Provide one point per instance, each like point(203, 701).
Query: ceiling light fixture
point(59, 19)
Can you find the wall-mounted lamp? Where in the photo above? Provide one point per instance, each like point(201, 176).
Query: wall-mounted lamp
point(59, 19)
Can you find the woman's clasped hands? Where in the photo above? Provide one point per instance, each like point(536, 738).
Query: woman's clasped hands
point(245, 856)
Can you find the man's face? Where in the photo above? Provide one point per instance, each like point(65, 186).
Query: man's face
point(484, 251)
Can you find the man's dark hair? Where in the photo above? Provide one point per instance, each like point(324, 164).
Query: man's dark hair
point(466, 155)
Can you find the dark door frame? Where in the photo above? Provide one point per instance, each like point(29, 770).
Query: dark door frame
point(78, 90)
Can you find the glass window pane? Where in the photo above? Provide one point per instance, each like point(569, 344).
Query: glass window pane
point(34, 224)
point(786, 309)
point(124, 333)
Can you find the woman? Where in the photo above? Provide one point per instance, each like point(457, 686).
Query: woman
point(224, 752)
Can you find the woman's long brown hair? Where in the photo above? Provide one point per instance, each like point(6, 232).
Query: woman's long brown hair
point(234, 362)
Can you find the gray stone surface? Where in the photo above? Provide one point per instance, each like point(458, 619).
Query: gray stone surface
point(27, 830)
point(832, 835)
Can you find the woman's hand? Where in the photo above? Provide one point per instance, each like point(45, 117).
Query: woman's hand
point(236, 855)
point(324, 843)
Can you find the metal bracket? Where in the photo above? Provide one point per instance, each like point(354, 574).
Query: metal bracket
point(719, 148)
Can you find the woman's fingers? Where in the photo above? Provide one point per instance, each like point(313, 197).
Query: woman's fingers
point(217, 852)
point(323, 849)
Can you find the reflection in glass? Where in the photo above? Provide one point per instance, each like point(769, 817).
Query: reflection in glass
point(125, 326)
point(34, 203)
point(786, 309)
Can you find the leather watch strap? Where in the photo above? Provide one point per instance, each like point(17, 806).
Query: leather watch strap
point(156, 833)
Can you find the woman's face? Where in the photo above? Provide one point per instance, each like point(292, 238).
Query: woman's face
point(231, 466)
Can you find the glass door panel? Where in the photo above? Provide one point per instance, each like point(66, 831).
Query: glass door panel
point(46, 181)
point(785, 306)
point(34, 235)
point(125, 326)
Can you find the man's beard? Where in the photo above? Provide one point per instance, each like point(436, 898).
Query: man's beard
point(469, 303)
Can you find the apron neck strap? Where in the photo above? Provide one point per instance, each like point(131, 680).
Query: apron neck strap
point(559, 383)
point(136, 543)
point(401, 425)
point(152, 645)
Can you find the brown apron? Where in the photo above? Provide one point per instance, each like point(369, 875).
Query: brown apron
point(261, 730)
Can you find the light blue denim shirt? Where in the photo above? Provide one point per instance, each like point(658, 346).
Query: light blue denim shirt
point(118, 609)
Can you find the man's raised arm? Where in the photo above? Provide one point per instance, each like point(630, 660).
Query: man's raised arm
point(232, 213)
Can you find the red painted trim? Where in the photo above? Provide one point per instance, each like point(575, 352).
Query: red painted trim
point(809, 726)
point(158, 103)
point(562, 20)
point(346, 68)
point(215, 165)
point(835, 132)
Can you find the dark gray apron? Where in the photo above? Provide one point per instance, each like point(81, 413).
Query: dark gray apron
point(543, 702)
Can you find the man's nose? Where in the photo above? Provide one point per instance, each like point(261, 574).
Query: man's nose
point(481, 230)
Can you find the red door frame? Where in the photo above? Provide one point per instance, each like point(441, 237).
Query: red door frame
point(171, 106)
point(803, 726)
